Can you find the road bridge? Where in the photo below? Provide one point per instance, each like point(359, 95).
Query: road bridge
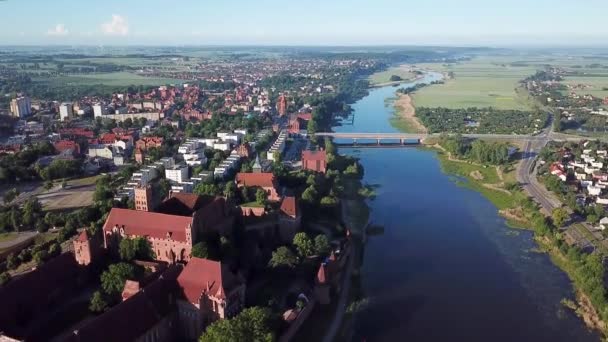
point(409, 138)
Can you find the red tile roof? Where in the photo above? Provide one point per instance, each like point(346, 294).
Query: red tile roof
point(83, 236)
point(144, 223)
point(184, 204)
point(134, 317)
point(289, 206)
point(206, 276)
point(264, 180)
point(314, 155)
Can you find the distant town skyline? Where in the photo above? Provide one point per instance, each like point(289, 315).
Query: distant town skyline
point(314, 22)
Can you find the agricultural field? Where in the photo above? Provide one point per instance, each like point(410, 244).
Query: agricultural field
point(383, 77)
point(589, 85)
point(482, 82)
point(111, 79)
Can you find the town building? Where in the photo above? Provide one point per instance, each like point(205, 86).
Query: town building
point(290, 218)
point(244, 150)
point(67, 145)
point(177, 173)
point(314, 161)
point(282, 105)
point(139, 156)
point(211, 292)
point(144, 198)
point(99, 110)
point(21, 107)
point(86, 248)
point(265, 180)
point(170, 236)
point(66, 111)
point(144, 143)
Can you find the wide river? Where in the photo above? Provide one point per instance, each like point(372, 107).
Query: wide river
point(447, 268)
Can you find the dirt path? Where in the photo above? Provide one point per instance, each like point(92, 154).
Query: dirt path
point(406, 110)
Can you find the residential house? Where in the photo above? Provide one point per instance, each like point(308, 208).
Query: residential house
point(264, 180)
point(314, 161)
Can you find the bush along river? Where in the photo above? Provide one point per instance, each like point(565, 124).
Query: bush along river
point(446, 267)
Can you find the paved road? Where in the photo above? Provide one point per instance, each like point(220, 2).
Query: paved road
point(526, 176)
point(542, 138)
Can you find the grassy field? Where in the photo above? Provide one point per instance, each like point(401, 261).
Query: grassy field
point(7, 236)
point(111, 79)
point(500, 198)
point(482, 82)
point(384, 76)
point(595, 83)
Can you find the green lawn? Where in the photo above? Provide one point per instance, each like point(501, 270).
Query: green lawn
point(7, 236)
point(253, 204)
point(481, 82)
point(595, 83)
point(384, 76)
point(83, 181)
point(500, 199)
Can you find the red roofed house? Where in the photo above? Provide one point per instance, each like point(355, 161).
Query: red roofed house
point(170, 236)
point(264, 180)
point(208, 213)
point(148, 142)
point(244, 150)
point(107, 139)
point(290, 218)
point(64, 145)
point(314, 160)
point(211, 292)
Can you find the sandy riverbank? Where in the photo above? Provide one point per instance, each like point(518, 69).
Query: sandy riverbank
point(407, 113)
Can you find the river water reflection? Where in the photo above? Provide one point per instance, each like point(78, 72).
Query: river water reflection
point(447, 268)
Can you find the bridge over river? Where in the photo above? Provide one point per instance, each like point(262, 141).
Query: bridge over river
point(417, 138)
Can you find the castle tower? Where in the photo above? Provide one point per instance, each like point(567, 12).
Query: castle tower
point(282, 105)
point(144, 198)
point(85, 248)
point(322, 286)
point(139, 156)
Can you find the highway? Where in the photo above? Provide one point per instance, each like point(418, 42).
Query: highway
point(526, 176)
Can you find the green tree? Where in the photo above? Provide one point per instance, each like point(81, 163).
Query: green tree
point(245, 194)
point(5, 277)
point(283, 257)
point(10, 195)
point(276, 156)
point(137, 248)
point(31, 211)
point(40, 257)
point(310, 195)
point(559, 216)
point(322, 244)
point(230, 190)
point(12, 261)
point(113, 279)
point(207, 189)
point(304, 244)
point(329, 201)
point(200, 250)
point(260, 196)
point(98, 303)
point(252, 324)
point(54, 250)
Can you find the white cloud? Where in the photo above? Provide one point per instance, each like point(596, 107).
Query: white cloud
point(58, 30)
point(117, 27)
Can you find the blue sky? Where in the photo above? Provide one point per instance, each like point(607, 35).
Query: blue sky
point(298, 22)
